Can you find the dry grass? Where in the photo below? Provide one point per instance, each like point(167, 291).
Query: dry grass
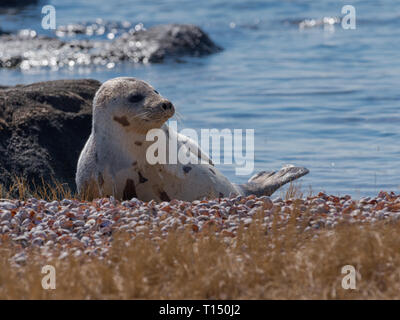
point(281, 264)
point(293, 191)
point(22, 189)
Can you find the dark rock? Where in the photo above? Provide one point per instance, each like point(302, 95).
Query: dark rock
point(27, 49)
point(17, 3)
point(43, 127)
point(171, 40)
point(3, 32)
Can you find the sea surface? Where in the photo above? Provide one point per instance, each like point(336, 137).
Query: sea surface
point(321, 97)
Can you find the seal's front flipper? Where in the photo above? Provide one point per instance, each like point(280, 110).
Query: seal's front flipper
point(266, 183)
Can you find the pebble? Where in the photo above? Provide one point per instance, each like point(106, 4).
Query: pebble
point(63, 255)
point(247, 221)
point(20, 258)
point(80, 228)
point(37, 241)
point(8, 205)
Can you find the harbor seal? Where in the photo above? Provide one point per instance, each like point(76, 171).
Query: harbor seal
point(113, 161)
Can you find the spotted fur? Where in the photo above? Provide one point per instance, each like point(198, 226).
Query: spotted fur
point(113, 160)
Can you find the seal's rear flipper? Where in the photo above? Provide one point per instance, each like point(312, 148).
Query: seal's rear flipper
point(266, 183)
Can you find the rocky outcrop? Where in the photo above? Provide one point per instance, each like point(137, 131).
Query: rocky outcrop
point(43, 127)
point(27, 49)
point(17, 3)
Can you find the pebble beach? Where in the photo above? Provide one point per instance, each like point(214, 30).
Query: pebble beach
point(79, 228)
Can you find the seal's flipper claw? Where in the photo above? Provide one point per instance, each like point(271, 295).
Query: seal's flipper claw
point(266, 183)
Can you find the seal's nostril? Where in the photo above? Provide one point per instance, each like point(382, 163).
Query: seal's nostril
point(167, 105)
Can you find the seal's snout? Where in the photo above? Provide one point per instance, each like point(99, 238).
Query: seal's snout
point(167, 108)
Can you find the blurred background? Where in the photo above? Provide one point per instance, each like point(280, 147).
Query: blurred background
point(317, 95)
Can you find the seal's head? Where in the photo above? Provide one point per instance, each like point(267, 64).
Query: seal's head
point(131, 104)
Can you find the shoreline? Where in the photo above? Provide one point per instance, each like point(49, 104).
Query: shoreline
point(239, 248)
point(79, 228)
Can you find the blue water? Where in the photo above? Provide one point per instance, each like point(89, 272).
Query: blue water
point(325, 99)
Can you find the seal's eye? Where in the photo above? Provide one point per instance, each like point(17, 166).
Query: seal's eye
point(133, 98)
point(156, 91)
